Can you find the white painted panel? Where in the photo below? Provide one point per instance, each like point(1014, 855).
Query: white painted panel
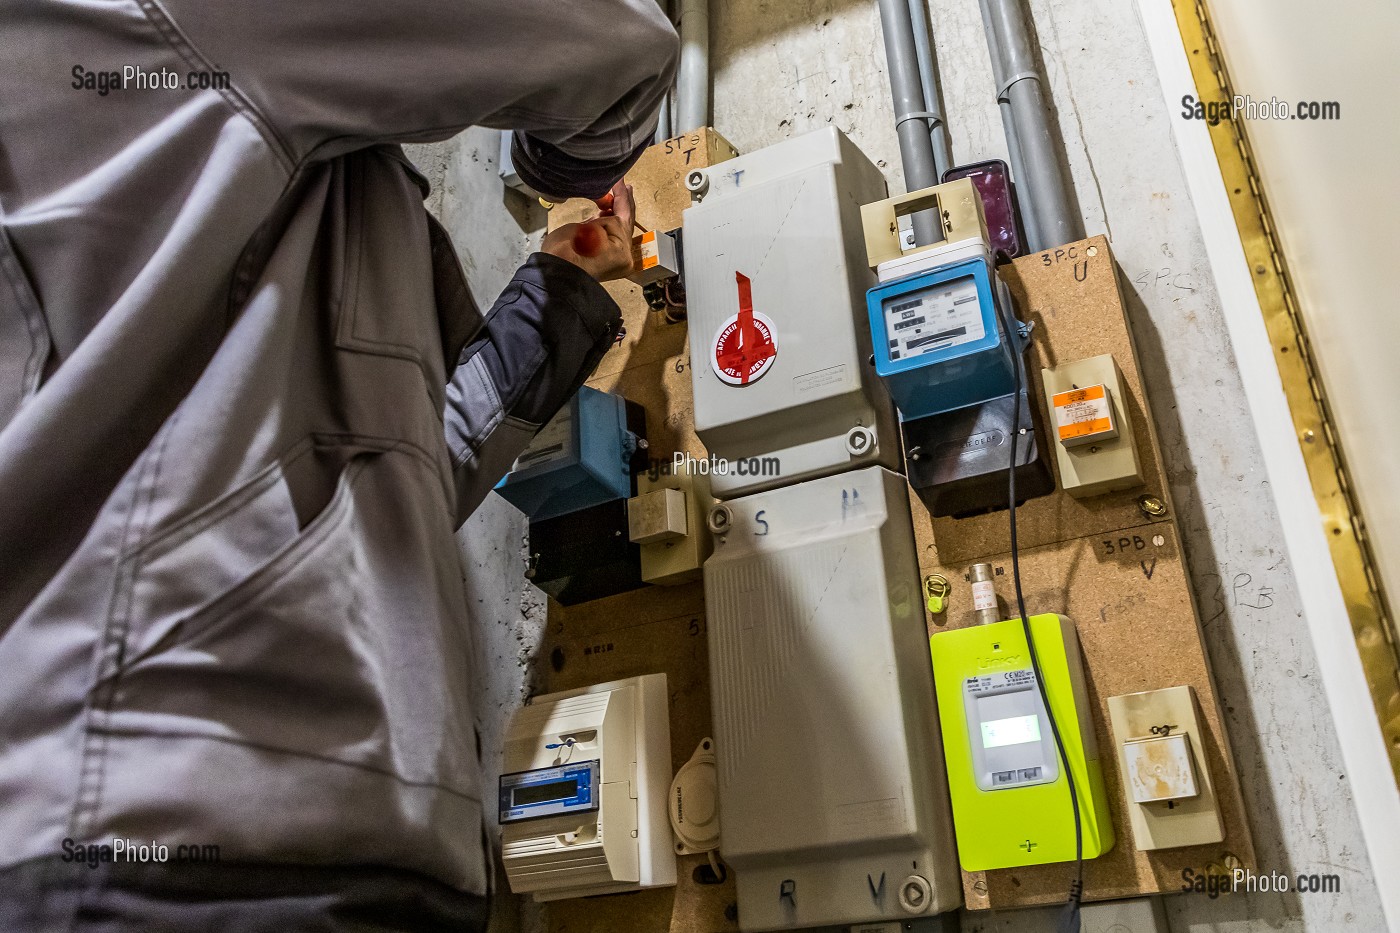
point(1334, 192)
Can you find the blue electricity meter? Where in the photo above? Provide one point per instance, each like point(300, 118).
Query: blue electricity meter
point(940, 339)
point(582, 458)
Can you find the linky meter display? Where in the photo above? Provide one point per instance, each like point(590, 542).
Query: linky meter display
point(1012, 745)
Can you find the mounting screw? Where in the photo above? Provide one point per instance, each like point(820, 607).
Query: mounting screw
point(721, 519)
point(1152, 506)
point(1309, 436)
point(860, 441)
point(697, 183)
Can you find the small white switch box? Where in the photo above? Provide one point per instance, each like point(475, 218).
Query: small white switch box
point(1159, 769)
point(1089, 414)
point(653, 257)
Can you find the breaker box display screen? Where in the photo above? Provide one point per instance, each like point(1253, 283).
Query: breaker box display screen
point(936, 318)
point(539, 793)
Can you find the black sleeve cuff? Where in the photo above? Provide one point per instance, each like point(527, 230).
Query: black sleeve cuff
point(558, 176)
point(567, 283)
point(545, 336)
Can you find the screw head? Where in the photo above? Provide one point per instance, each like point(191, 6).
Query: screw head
point(1152, 506)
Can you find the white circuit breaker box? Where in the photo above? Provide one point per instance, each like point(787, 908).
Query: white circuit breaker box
point(582, 802)
point(832, 789)
point(779, 345)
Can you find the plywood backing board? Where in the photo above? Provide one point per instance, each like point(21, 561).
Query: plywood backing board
point(655, 629)
point(1071, 295)
point(1137, 620)
point(1117, 572)
point(1128, 595)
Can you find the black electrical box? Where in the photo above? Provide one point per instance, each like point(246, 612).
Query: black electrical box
point(586, 554)
point(957, 461)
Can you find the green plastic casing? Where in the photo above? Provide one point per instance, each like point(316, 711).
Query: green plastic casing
point(1031, 825)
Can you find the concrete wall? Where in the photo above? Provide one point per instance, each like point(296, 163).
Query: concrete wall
point(494, 229)
point(784, 68)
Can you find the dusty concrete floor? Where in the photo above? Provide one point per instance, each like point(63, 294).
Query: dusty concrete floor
point(782, 68)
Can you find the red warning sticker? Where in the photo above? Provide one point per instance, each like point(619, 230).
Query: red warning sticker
point(746, 344)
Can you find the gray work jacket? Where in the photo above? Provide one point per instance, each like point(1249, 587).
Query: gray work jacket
point(245, 399)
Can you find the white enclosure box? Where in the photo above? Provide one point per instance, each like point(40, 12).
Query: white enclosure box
point(832, 788)
point(776, 274)
point(582, 802)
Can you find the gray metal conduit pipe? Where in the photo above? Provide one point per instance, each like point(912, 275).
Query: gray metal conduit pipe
point(1042, 187)
point(910, 114)
point(693, 76)
point(928, 78)
point(1013, 146)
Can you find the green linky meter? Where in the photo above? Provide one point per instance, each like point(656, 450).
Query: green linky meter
point(1010, 794)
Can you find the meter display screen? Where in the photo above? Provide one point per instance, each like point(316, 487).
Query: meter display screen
point(941, 316)
point(1016, 730)
point(539, 793)
point(551, 791)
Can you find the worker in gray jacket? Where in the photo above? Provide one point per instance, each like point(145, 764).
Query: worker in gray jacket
point(245, 400)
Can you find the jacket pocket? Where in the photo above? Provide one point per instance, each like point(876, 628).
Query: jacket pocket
point(187, 570)
point(347, 645)
point(24, 334)
point(385, 297)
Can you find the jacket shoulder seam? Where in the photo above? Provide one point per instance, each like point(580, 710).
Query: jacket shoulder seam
point(175, 37)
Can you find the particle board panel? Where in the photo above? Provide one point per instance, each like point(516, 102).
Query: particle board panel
point(1109, 566)
point(1071, 295)
point(656, 180)
point(1128, 594)
point(1102, 561)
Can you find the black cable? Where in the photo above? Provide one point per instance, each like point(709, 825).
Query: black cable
point(1069, 919)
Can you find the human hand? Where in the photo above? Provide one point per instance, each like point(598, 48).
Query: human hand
point(602, 247)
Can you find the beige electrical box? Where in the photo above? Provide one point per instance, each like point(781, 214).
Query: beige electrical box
point(1160, 769)
point(1089, 425)
point(656, 516)
point(958, 206)
point(667, 518)
point(1169, 795)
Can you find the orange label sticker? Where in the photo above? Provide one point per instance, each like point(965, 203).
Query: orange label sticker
point(1078, 395)
point(1082, 413)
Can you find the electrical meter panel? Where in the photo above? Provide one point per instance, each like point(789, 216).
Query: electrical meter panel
point(1011, 801)
point(831, 786)
point(583, 457)
point(574, 481)
point(774, 281)
point(952, 354)
point(583, 807)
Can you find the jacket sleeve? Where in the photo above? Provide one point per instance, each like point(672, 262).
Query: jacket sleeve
point(543, 337)
point(585, 77)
